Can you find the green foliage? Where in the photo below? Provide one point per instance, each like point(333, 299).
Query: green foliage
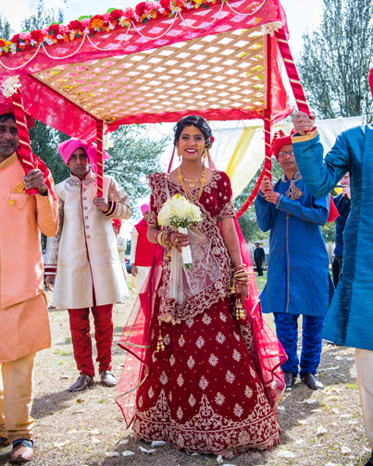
point(132, 159)
point(43, 17)
point(6, 31)
point(336, 59)
point(44, 141)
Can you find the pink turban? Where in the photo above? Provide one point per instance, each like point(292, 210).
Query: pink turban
point(144, 208)
point(371, 80)
point(67, 148)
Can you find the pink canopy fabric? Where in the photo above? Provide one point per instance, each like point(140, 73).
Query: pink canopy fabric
point(52, 108)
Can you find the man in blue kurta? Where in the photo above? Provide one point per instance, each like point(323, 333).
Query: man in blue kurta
point(298, 267)
point(350, 317)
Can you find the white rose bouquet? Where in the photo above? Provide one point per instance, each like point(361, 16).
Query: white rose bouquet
point(179, 213)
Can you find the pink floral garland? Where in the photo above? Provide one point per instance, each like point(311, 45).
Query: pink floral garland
point(91, 25)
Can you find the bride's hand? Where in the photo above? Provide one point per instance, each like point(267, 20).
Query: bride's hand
point(178, 240)
point(242, 290)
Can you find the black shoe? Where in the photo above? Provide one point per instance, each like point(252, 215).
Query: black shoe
point(370, 461)
point(289, 379)
point(84, 381)
point(108, 379)
point(312, 382)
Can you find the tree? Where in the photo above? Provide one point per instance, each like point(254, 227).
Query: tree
point(42, 17)
point(336, 59)
point(6, 31)
point(132, 158)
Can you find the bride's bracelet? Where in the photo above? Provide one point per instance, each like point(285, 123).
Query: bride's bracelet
point(162, 239)
point(240, 276)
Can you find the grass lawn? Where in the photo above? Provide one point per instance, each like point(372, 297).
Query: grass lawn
point(87, 428)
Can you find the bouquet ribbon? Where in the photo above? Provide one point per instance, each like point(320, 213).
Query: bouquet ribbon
point(187, 282)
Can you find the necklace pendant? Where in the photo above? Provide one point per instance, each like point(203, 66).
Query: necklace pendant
point(191, 183)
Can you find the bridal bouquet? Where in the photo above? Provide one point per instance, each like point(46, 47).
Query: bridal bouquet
point(179, 213)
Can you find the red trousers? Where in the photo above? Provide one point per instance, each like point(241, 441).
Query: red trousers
point(81, 337)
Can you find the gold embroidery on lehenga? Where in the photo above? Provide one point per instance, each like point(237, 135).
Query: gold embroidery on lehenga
point(213, 360)
point(207, 430)
point(200, 342)
point(203, 382)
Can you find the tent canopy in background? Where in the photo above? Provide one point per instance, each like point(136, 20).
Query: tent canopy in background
point(238, 148)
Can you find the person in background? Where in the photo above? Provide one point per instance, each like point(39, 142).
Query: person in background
point(343, 205)
point(82, 259)
point(141, 250)
point(259, 258)
point(121, 246)
point(24, 323)
point(298, 279)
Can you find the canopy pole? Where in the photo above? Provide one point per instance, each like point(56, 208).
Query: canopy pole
point(100, 159)
point(292, 72)
point(267, 141)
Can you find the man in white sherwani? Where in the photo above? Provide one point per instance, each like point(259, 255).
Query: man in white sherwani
point(82, 261)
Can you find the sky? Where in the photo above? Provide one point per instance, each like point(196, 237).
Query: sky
point(301, 14)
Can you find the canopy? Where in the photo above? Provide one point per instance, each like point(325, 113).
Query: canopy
point(211, 58)
point(221, 59)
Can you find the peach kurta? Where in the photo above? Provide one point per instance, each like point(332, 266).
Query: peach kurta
point(23, 309)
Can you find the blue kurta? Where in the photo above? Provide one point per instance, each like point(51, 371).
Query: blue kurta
point(298, 266)
point(350, 318)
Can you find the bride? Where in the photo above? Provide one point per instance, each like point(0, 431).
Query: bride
point(203, 374)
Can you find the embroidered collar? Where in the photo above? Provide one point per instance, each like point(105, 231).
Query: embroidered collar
point(76, 181)
point(9, 161)
point(295, 178)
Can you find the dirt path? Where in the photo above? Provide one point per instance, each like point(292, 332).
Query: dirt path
point(82, 429)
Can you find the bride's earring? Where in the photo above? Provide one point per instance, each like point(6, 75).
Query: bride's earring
point(204, 156)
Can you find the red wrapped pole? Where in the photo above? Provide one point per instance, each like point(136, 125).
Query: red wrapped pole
point(24, 139)
point(292, 72)
point(100, 159)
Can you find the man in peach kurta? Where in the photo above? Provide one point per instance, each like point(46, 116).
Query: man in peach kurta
point(24, 328)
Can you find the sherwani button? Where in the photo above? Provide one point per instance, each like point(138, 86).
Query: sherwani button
point(88, 236)
point(84, 198)
point(86, 217)
point(85, 208)
point(87, 227)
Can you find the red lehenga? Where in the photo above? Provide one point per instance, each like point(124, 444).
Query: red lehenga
point(216, 388)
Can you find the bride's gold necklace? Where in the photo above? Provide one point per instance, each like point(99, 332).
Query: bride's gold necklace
point(188, 193)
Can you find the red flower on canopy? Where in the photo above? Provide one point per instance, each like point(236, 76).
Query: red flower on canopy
point(165, 4)
point(55, 28)
point(75, 25)
point(115, 15)
point(140, 8)
point(37, 36)
point(2, 43)
point(15, 38)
